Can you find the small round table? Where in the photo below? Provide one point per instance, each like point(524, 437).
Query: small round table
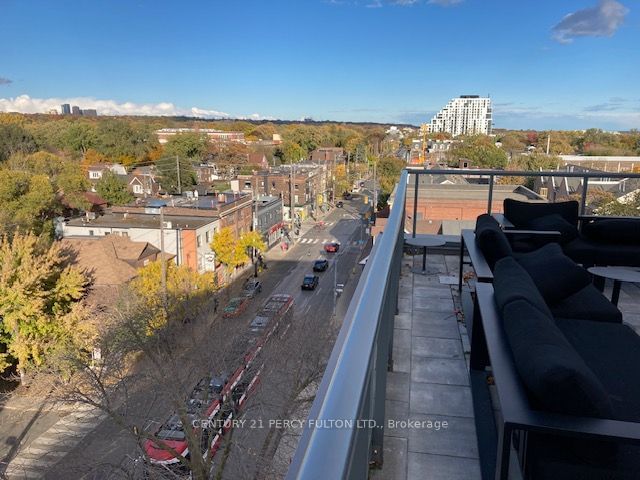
point(424, 241)
point(618, 275)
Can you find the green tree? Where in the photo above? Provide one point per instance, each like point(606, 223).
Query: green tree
point(39, 302)
point(191, 146)
point(290, 152)
point(113, 189)
point(481, 151)
point(15, 139)
point(27, 202)
point(120, 139)
point(79, 137)
point(172, 168)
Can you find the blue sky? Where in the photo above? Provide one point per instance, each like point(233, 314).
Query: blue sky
point(546, 64)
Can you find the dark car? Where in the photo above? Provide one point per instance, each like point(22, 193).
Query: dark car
point(310, 282)
point(339, 204)
point(331, 247)
point(347, 195)
point(252, 287)
point(320, 265)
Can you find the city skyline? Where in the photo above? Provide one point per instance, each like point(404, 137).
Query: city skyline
point(545, 65)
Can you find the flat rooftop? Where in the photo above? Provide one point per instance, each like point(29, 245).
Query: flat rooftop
point(134, 220)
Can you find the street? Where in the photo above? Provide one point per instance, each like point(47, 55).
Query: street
point(95, 447)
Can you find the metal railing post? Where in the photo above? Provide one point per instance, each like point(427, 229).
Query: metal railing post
point(583, 199)
point(415, 205)
point(490, 201)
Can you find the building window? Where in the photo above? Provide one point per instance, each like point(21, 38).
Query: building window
point(91, 233)
point(544, 192)
point(137, 188)
point(199, 240)
point(95, 175)
point(247, 185)
point(207, 237)
point(296, 186)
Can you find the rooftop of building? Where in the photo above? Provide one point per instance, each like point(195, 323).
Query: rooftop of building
point(142, 220)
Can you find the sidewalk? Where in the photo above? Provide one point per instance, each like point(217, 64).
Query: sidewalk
point(277, 253)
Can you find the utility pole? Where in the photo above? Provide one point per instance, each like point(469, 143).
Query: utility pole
point(375, 187)
point(255, 229)
point(163, 263)
point(548, 142)
point(178, 172)
point(291, 196)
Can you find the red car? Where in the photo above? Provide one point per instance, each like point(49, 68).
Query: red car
point(235, 307)
point(331, 247)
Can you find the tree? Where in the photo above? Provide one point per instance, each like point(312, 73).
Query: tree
point(113, 189)
point(191, 146)
point(27, 202)
point(481, 151)
point(290, 152)
point(67, 180)
point(252, 244)
point(15, 139)
point(79, 137)
point(171, 169)
point(39, 302)
point(185, 287)
point(229, 252)
point(121, 139)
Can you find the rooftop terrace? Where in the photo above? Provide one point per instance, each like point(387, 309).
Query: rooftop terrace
point(401, 360)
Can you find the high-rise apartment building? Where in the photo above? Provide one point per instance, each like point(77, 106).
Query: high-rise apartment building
point(75, 110)
point(66, 109)
point(466, 115)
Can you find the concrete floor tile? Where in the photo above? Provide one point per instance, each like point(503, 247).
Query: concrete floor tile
point(439, 370)
point(395, 460)
point(436, 347)
point(441, 467)
point(457, 439)
point(431, 398)
point(398, 386)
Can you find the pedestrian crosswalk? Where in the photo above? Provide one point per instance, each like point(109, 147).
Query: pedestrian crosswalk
point(322, 241)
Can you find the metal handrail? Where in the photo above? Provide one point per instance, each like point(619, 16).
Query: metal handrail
point(417, 171)
point(354, 383)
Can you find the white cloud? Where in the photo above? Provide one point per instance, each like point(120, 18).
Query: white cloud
point(445, 3)
point(27, 104)
point(600, 21)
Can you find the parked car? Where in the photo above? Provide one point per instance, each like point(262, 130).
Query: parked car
point(235, 307)
point(339, 204)
point(320, 265)
point(347, 195)
point(252, 287)
point(331, 247)
point(310, 282)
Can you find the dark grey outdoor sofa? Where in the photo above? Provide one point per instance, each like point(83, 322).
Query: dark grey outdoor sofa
point(568, 387)
point(588, 240)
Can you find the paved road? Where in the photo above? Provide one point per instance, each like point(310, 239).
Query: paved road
point(82, 444)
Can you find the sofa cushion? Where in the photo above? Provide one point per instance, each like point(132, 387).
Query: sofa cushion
point(491, 239)
point(590, 252)
point(555, 222)
point(587, 304)
point(552, 370)
point(624, 231)
point(612, 352)
point(556, 276)
point(521, 213)
point(511, 282)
